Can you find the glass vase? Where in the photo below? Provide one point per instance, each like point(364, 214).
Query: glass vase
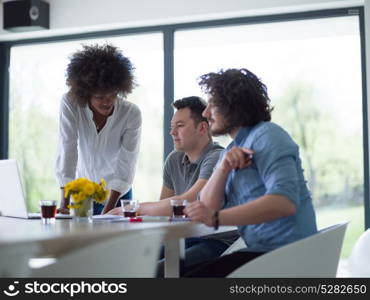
point(85, 211)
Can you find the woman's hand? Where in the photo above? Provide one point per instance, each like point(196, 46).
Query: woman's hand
point(63, 209)
point(237, 158)
point(197, 211)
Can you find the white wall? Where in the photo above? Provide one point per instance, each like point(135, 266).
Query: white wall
point(71, 16)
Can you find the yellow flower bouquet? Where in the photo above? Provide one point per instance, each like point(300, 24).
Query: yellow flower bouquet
point(83, 192)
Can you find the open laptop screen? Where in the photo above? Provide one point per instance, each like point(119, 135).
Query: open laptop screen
point(12, 200)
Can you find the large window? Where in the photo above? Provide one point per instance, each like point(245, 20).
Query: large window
point(312, 69)
point(37, 83)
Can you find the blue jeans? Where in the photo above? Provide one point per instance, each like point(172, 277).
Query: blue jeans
point(197, 250)
point(98, 208)
point(222, 266)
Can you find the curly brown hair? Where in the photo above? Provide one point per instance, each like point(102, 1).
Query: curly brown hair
point(239, 95)
point(98, 69)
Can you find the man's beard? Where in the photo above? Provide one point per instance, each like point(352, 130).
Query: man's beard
point(225, 129)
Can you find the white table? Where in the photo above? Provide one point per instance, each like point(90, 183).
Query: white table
point(66, 235)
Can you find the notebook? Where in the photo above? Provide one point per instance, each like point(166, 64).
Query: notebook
point(12, 200)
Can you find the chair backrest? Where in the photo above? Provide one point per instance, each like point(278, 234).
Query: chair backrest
point(314, 256)
point(14, 259)
point(359, 259)
point(237, 245)
point(130, 255)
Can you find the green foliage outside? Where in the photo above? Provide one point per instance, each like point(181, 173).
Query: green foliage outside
point(332, 156)
point(33, 144)
point(355, 215)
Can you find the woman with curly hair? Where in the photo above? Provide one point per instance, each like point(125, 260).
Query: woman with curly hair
point(99, 131)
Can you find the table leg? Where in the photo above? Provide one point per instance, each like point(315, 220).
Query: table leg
point(174, 250)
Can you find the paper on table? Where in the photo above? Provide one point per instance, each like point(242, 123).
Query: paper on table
point(107, 217)
point(144, 219)
point(180, 219)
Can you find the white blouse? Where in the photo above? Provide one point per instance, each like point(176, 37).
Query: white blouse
point(110, 154)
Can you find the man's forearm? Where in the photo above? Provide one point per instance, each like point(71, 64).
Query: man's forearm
point(159, 208)
point(263, 209)
point(212, 195)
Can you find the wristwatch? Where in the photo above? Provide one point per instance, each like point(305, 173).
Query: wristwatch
point(215, 219)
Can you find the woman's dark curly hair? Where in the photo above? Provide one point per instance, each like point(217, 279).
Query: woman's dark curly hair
point(240, 96)
point(98, 69)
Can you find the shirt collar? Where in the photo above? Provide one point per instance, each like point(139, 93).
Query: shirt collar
point(243, 133)
point(207, 148)
point(91, 114)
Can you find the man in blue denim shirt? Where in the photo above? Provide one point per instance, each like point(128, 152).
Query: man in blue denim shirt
point(259, 176)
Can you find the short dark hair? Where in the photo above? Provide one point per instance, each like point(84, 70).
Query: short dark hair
point(239, 94)
point(196, 105)
point(98, 68)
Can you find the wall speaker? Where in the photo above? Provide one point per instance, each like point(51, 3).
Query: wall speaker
point(25, 15)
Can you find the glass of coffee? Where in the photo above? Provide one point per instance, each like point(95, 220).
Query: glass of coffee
point(178, 206)
point(48, 211)
point(130, 208)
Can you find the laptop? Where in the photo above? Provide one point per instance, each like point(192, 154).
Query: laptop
point(12, 201)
